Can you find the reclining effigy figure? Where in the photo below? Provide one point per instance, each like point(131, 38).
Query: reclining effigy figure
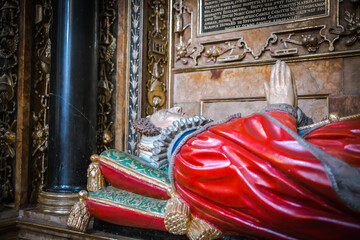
point(254, 176)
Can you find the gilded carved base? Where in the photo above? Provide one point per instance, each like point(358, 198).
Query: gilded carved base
point(56, 203)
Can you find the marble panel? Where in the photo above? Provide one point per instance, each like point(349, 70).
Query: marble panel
point(190, 109)
point(312, 77)
point(346, 105)
point(221, 110)
point(351, 76)
point(315, 108)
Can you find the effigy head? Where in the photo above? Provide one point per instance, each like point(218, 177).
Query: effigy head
point(150, 129)
point(152, 125)
point(145, 127)
point(164, 118)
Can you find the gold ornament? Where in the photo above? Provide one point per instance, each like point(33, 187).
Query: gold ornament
point(177, 216)
point(95, 180)
point(79, 216)
point(201, 230)
point(334, 117)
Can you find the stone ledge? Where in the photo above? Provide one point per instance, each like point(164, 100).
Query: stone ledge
point(29, 224)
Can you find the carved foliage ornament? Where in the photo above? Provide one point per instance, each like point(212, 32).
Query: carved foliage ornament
point(183, 20)
point(157, 56)
point(134, 83)
point(325, 36)
point(9, 39)
point(107, 49)
point(40, 96)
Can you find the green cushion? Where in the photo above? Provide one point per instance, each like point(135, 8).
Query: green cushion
point(129, 200)
point(135, 163)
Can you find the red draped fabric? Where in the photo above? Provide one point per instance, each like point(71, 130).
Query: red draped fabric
point(249, 177)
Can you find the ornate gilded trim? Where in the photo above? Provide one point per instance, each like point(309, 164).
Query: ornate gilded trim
point(9, 51)
point(40, 96)
point(157, 56)
point(134, 80)
point(134, 173)
point(56, 203)
point(106, 84)
point(329, 120)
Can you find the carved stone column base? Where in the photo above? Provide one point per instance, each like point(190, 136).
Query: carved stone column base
point(56, 203)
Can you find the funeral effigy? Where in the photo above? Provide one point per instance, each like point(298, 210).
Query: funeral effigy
point(271, 175)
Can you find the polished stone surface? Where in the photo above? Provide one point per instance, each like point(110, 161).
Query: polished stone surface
point(352, 76)
point(345, 105)
point(30, 224)
point(312, 78)
point(73, 94)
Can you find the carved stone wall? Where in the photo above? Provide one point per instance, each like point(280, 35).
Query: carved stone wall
point(9, 55)
point(40, 96)
point(107, 79)
point(156, 45)
point(223, 72)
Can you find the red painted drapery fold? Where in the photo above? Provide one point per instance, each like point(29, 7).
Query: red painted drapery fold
point(249, 177)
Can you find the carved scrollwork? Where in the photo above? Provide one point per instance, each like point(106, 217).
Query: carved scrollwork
point(40, 96)
point(271, 39)
point(9, 40)
point(352, 30)
point(310, 42)
point(334, 32)
point(215, 51)
point(184, 49)
point(107, 48)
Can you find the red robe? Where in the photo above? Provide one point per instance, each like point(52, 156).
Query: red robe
point(249, 177)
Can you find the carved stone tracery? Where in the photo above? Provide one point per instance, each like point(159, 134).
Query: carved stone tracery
point(9, 41)
point(183, 20)
point(156, 56)
point(40, 96)
point(107, 49)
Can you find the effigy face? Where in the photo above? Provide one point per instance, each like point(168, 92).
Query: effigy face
point(165, 117)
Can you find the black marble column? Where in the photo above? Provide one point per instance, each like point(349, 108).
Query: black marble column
point(73, 100)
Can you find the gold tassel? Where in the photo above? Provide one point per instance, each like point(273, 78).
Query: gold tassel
point(201, 230)
point(95, 180)
point(177, 216)
point(79, 216)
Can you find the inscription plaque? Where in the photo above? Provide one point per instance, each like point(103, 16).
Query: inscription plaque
point(227, 15)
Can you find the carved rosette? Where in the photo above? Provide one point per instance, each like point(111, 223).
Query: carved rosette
point(40, 96)
point(156, 56)
point(9, 39)
point(106, 84)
